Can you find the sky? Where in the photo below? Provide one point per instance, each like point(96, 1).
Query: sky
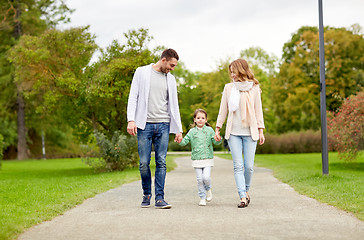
point(204, 32)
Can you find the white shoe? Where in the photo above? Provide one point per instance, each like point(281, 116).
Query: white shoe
point(202, 202)
point(209, 195)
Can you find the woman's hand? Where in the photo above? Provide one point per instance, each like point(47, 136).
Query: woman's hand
point(261, 136)
point(217, 136)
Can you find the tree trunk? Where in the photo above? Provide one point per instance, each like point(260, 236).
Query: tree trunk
point(22, 133)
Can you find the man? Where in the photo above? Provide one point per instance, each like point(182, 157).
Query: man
point(152, 114)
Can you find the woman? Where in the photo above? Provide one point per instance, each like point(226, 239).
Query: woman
point(242, 103)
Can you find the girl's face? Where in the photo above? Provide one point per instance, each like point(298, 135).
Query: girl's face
point(200, 119)
point(233, 75)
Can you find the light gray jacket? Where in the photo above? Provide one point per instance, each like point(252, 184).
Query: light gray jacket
point(139, 96)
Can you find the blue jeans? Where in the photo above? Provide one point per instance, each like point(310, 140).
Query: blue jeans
point(158, 135)
point(203, 176)
point(243, 168)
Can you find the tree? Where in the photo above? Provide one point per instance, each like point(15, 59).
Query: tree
point(346, 127)
point(107, 84)
point(22, 17)
point(49, 70)
point(296, 89)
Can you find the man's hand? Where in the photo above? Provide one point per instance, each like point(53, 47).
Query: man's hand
point(132, 128)
point(178, 138)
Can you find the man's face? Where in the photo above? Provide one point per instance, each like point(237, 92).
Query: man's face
point(168, 66)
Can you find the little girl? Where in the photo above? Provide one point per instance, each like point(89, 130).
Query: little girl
point(201, 138)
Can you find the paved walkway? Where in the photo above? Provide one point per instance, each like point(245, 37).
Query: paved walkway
point(276, 212)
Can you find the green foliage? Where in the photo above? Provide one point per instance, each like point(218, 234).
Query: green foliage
point(49, 69)
point(291, 142)
point(105, 92)
point(1, 148)
point(34, 16)
point(346, 127)
point(8, 131)
point(26, 17)
point(51, 64)
point(296, 89)
point(117, 154)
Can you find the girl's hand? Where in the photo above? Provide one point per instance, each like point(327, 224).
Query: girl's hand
point(261, 136)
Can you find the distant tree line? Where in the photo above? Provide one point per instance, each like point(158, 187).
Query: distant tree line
point(49, 86)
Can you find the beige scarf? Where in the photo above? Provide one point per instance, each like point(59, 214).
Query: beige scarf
point(246, 108)
point(240, 92)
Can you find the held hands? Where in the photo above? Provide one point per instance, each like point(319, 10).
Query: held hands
point(132, 128)
point(178, 138)
point(217, 136)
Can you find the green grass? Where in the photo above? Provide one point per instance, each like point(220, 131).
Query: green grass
point(343, 187)
point(34, 191)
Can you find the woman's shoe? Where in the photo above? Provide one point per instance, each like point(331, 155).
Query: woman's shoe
point(247, 201)
point(242, 205)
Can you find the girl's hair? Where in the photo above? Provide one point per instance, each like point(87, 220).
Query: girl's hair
point(200, 110)
point(242, 71)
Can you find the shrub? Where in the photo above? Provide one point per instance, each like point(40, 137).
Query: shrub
point(346, 127)
point(293, 142)
point(1, 148)
point(117, 154)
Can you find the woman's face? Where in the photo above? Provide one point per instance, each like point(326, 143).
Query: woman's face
point(233, 75)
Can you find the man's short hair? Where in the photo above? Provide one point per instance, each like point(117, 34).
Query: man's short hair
point(169, 53)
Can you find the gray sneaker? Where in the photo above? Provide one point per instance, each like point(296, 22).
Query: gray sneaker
point(161, 204)
point(146, 201)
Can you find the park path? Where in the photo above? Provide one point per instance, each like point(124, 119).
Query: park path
point(276, 212)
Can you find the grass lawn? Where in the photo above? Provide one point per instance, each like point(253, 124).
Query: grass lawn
point(343, 187)
point(34, 191)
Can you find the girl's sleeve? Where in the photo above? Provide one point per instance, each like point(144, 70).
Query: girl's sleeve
point(186, 139)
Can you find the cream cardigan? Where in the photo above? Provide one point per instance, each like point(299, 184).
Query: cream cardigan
point(139, 96)
point(256, 121)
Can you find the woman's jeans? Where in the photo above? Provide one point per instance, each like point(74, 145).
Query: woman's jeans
point(203, 176)
point(158, 135)
point(243, 169)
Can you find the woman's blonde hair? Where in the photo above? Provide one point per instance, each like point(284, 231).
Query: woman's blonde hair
point(242, 71)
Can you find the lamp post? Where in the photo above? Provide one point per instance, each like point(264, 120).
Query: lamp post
point(325, 158)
